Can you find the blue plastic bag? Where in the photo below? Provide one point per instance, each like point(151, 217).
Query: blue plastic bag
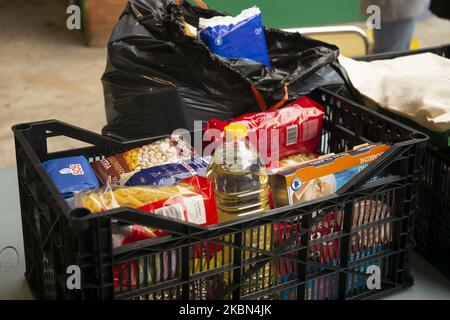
point(71, 174)
point(168, 174)
point(240, 37)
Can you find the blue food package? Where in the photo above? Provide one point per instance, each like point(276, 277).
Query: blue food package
point(169, 174)
point(240, 37)
point(71, 174)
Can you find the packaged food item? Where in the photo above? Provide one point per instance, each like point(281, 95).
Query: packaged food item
point(168, 150)
point(240, 179)
point(294, 129)
point(322, 177)
point(294, 161)
point(241, 188)
point(168, 174)
point(71, 174)
point(327, 252)
point(165, 266)
point(323, 224)
point(190, 200)
point(240, 37)
point(375, 239)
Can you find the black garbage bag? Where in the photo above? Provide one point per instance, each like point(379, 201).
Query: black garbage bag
point(158, 79)
point(441, 8)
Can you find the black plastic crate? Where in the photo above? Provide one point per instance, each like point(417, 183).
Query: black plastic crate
point(275, 255)
point(432, 227)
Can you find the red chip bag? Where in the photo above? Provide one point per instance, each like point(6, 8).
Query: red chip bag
point(277, 134)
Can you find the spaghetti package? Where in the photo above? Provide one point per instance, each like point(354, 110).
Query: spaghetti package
point(294, 129)
point(190, 200)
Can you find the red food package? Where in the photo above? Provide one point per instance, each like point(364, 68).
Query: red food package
point(283, 232)
point(277, 134)
point(196, 207)
point(325, 257)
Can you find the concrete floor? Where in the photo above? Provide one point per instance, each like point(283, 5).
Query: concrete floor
point(47, 73)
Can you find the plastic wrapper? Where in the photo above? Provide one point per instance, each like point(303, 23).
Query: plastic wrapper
point(293, 161)
point(240, 37)
point(364, 243)
point(190, 200)
point(159, 78)
point(375, 239)
point(71, 174)
point(278, 134)
point(168, 174)
point(165, 266)
point(119, 167)
point(324, 224)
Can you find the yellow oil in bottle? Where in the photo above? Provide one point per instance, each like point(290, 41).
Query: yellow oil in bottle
point(241, 186)
point(239, 194)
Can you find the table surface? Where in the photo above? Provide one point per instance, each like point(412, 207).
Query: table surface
point(429, 283)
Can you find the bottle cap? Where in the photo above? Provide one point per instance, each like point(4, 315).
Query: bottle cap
point(235, 131)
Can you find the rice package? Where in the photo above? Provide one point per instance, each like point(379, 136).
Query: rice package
point(240, 37)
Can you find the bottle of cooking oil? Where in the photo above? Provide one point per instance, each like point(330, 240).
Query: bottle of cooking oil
point(240, 179)
point(241, 188)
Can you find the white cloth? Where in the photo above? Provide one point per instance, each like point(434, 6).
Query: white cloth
point(416, 86)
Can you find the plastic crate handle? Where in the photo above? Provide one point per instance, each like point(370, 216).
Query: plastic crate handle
point(81, 218)
point(372, 170)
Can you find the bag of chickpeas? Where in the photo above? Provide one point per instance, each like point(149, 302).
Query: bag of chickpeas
point(112, 169)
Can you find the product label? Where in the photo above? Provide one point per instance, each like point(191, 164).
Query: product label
point(111, 168)
point(75, 169)
point(71, 174)
point(195, 209)
point(189, 208)
point(174, 211)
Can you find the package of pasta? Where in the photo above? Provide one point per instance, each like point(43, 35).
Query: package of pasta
point(168, 150)
point(276, 134)
point(190, 200)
